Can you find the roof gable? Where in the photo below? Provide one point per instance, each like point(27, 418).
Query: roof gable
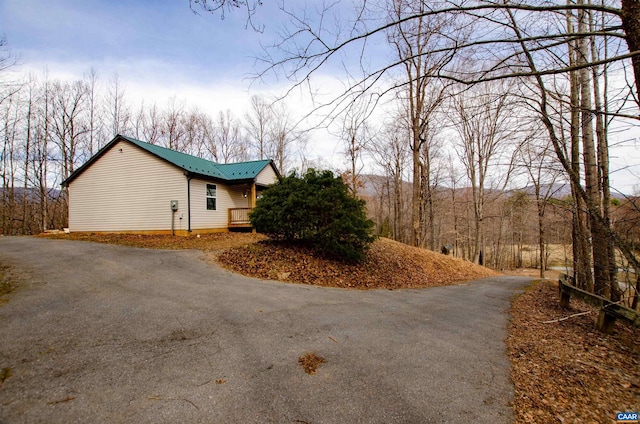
point(231, 172)
point(184, 161)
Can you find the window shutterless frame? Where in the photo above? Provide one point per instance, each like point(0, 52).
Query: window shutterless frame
point(211, 197)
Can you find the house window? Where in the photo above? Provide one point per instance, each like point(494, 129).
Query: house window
point(211, 197)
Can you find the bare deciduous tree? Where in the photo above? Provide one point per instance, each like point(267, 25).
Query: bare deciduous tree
point(423, 95)
point(173, 125)
point(485, 128)
point(69, 101)
point(283, 135)
point(537, 158)
point(118, 111)
point(230, 143)
point(390, 151)
point(355, 136)
point(257, 124)
point(94, 122)
point(10, 128)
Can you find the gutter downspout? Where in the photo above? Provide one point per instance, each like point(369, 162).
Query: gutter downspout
point(188, 201)
point(252, 203)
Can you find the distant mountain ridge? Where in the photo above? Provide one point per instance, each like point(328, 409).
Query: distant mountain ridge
point(33, 194)
point(555, 190)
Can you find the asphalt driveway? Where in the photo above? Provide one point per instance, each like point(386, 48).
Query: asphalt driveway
point(100, 333)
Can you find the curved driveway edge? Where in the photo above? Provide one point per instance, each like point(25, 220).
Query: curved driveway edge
point(101, 333)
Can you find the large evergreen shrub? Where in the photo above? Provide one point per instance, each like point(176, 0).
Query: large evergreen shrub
point(318, 209)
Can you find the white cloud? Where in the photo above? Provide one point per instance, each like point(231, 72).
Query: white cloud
point(161, 50)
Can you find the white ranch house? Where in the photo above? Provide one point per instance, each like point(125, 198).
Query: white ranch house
point(130, 186)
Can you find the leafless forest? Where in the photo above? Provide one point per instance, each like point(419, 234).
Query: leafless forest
point(477, 98)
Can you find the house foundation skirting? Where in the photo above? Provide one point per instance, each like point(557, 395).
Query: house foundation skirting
point(158, 232)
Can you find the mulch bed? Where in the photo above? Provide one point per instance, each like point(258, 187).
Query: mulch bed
point(206, 242)
point(389, 265)
point(567, 371)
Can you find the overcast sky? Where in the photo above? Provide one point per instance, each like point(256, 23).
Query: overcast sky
point(158, 48)
point(160, 45)
point(161, 48)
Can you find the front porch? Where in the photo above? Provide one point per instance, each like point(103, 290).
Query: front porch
point(239, 217)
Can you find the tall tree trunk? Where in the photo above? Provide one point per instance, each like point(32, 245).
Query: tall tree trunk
point(432, 226)
point(27, 156)
point(397, 207)
point(428, 198)
point(478, 218)
point(416, 217)
point(598, 236)
point(581, 252)
point(541, 236)
point(603, 163)
point(43, 165)
point(354, 165)
point(631, 25)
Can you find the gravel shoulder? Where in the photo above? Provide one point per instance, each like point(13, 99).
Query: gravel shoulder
point(103, 333)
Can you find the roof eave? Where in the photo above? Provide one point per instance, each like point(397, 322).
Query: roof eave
point(275, 168)
point(192, 174)
point(187, 172)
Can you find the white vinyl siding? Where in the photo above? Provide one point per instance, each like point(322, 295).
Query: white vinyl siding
point(226, 197)
point(127, 189)
point(130, 189)
point(267, 176)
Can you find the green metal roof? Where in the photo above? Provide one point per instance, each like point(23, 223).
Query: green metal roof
point(228, 171)
point(242, 170)
point(231, 172)
point(182, 160)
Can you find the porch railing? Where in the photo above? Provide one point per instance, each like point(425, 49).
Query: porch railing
point(239, 217)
